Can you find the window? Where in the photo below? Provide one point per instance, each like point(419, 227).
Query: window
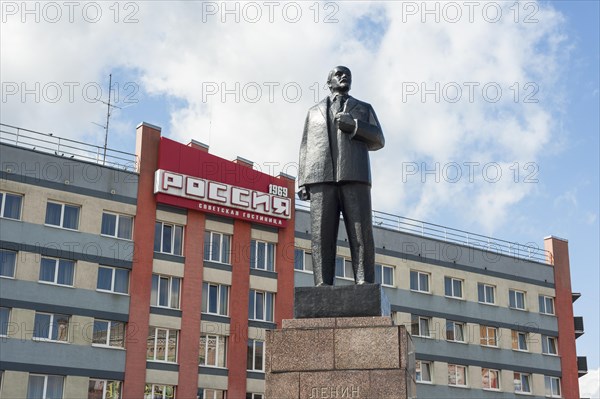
point(488, 336)
point(457, 375)
point(256, 355)
point(522, 382)
point(516, 299)
point(519, 340)
point(51, 327)
point(10, 206)
point(115, 225)
point(423, 371)
point(262, 255)
point(552, 385)
point(8, 261)
point(62, 215)
point(343, 268)
point(453, 287)
point(168, 238)
point(419, 281)
point(255, 396)
point(303, 261)
point(215, 298)
point(384, 275)
point(546, 304)
point(549, 345)
point(490, 379)
point(217, 247)
point(165, 291)
point(104, 389)
point(162, 345)
point(4, 318)
point(455, 331)
point(157, 391)
point(57, 271)
point(213, 350)
point(486, 293)
point(206, 393)
point(109, 333)
point(420, 326)
point(113, 279)
point(261, 305)
point(45, 386)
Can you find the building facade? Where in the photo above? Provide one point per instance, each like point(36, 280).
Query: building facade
point(155, 275)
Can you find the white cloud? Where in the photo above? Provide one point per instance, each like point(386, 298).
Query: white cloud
point(172, 52)
point(589, 384)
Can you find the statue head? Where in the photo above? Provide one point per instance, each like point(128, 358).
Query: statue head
point(339, 80)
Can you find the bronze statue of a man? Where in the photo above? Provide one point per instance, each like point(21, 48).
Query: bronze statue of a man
point(335, 175)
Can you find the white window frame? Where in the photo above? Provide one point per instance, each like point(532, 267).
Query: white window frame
point(169, 294)
point(266, 265)
point(486, 300)
point(149, 394)
point(44, 393)
point(452, 293)
point(216, 393)
point(543, 310)
point(112, 280)
point(173, 252)
point(56, 270)
point(383, 267)
point(62, 215)
point(53, 316)
point(3, 205)
point(105, 384)
point(206, 302)
point(211, 239)
point(487, 336)
point(419, 288)
point(14, 265)
point(419, 366)
point(527, 376)
point(262, 370)
point(252, 395)
point(419, 319)
point(456, 324)
point(7, 321)
point(513, 296)
point(218, 354)
point(117, 224)
point(108, 333)
point(489, 371)
point(518, 334)
point(347, 263)
point(546, 345)
point(552, 384)
point(169, 331)
point(268, 317)
point(304, 255)
point(466, 375)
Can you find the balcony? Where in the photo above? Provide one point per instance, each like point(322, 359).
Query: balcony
point(578, 320)
point(582, 365)
point(575, 296)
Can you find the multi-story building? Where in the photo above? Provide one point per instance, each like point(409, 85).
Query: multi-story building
point(155, 275)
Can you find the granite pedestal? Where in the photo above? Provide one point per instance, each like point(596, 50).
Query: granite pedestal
point(339, 357)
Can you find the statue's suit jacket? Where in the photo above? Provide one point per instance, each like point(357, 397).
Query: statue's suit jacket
point(349, 151)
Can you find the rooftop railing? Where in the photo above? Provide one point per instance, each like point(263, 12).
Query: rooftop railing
point(384, 220)
point(49, 143)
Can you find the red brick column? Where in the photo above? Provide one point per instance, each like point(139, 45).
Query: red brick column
point(284, 302)
point(563, 307)
point(238, 309)
point(191, 298)
point(147, 143)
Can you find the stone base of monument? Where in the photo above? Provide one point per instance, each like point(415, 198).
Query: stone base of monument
point(340, 357)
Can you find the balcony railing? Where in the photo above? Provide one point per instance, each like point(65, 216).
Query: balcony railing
point(49, 143)
point(579, 331)
point(582, 365)
point(384, 220)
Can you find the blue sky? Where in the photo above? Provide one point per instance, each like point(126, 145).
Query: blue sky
point(180, 65)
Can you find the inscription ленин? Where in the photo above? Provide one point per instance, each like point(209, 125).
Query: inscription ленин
point(335, 392)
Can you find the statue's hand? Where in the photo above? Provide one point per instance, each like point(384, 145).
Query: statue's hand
point(345, 122)
point(303, 193)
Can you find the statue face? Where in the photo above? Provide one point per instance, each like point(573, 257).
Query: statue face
point(341, 80)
